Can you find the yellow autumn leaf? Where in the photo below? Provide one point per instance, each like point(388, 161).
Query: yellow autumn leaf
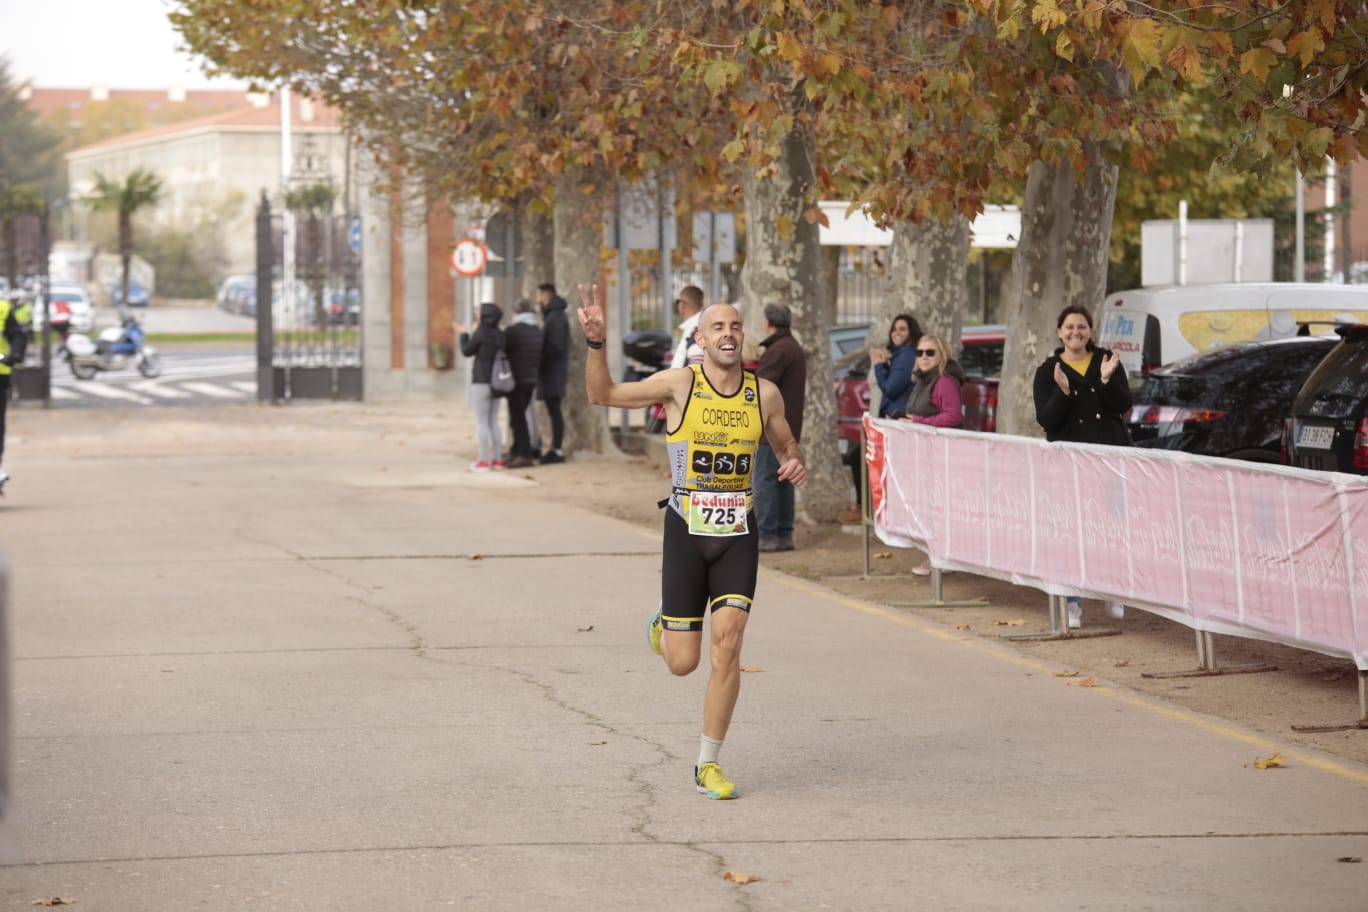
point(961, 626)
point(1066, 674)
point(1090, 681)
point(1013, 623)
point(1064, 46)
point(828, 65)
point(884, 555)
point(751, 668)
point(1257, 62)
point(738, 877)
point(1272, 762)
point(789, 48)
point(1306, 45)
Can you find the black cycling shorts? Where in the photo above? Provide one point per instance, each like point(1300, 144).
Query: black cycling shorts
point(705, 571)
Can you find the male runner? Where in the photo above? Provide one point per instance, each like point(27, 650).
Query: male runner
point(715, 416)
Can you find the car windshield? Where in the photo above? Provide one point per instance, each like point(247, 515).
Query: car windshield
point(66, 296)
point(1337, 386)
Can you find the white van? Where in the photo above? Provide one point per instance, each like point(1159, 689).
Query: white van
point(1150, 327)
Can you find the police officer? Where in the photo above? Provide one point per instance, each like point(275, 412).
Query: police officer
point(13, 341)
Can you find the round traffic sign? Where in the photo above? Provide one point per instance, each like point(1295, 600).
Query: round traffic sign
point(469, 257)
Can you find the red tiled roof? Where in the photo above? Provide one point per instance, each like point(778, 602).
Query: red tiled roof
point(52, 101)
point(264, 117)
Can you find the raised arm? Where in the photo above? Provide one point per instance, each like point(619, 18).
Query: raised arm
point(663, 386)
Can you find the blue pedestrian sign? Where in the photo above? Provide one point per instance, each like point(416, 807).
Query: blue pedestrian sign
point(354, 236)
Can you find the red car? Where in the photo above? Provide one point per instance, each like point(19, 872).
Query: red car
point(980, 356)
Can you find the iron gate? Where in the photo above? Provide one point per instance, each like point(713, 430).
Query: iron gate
point(309, 337)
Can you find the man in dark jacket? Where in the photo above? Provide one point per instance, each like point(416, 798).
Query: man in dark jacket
point(523, 343)
point(784, 364)
point(555, 366)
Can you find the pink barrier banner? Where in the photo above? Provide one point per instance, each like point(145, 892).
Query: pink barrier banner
point(1228, 547)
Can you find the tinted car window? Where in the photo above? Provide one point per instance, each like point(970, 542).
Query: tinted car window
point(1336, 387)
point(982, 360)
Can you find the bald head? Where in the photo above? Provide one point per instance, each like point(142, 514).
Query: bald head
point(720, 334)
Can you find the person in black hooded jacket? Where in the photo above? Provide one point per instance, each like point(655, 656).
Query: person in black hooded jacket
point(483, 344)
point(555, 366)
point(523, 339)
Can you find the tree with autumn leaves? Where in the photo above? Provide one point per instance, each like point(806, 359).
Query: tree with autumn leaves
point(916, 111)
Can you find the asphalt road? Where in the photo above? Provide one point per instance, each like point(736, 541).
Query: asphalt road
point(295, 658)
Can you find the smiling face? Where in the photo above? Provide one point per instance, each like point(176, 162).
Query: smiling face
point(899, 332)
point(720, 335)
point(1075, 331)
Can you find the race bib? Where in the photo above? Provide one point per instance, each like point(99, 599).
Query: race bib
point(716, 513)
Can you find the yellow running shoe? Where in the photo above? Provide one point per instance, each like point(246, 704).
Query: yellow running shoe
point(710, 781)
point(654, 630)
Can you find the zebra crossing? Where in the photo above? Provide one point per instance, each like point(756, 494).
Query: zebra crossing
point(186, 379)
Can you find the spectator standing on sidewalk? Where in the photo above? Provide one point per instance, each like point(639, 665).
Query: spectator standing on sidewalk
point(1082, 396)
point(523, 340)
point(688, 305)
point(483, 344)
point(13, 341)
point(555, 366)
point(784, 363)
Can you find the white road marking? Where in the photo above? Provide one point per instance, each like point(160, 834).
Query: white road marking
point(153, 388)
point(105, 391)
point(212, 389)
point(247, 386)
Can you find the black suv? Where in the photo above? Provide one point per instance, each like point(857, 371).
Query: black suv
point(1227, 402)
point(1328, 428)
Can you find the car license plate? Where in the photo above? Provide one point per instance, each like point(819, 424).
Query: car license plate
point(1315, 436)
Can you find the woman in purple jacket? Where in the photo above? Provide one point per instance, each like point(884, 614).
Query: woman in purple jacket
point(935, 398)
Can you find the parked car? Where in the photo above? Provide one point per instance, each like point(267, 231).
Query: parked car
point(1228, 402)
point(343, 307)
point(980, 356)
point(138, 295)
point(73, 302)
point(237, 294)
point(1328, 425)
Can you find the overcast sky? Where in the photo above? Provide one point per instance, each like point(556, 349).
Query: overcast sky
point(121, 44)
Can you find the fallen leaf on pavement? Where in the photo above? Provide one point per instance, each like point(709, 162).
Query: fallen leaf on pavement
point(1350, 859)
point(961, 626)
point(1087, 682)
point(54, 901)
point(738, 877)
point(1001, 623)
point(585, 629)
point(884, 555)
point(1067, 674)
point(1270, 763)
point(1124, 663)
point(474, 557)
point(751, 668)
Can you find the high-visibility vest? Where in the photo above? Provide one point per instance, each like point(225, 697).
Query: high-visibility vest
point(4, 340)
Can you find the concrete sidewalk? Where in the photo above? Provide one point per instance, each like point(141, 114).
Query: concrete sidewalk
point(300, 659)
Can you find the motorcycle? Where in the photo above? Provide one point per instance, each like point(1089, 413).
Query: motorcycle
point(115, 348)
point(647, 351)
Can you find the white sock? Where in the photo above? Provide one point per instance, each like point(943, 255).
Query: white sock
point(707, 750)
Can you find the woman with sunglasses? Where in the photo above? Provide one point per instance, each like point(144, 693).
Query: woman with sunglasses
point(935, 398)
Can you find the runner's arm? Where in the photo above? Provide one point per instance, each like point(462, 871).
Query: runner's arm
point(780, 435)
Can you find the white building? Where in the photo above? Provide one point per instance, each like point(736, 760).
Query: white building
point(221, 163)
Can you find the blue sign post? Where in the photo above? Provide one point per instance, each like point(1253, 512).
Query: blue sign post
point(354, 236)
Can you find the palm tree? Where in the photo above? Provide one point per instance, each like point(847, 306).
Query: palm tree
point(140, 189)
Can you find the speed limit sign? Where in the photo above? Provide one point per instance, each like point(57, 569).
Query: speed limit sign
point(469, 257)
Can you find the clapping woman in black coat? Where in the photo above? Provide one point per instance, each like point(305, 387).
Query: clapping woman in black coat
point(1082, 396)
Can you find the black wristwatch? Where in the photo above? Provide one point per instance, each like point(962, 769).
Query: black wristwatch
point(593, 344)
